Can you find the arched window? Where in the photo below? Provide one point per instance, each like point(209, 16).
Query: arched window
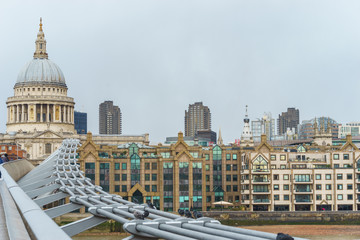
point(216, 153)
point(133, 149)
point(260, 164)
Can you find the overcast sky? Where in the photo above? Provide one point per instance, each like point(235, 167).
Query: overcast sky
point(154, 58)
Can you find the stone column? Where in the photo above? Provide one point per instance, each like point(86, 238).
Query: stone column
point(13, 113)
point(41, 113)
point(22, 112)
point(17, 113)
point(48, 113)
point(72, 115)
point(28, 112)
point(53, 113)
point(35, 112)
point(68, 114)
point(65, 114)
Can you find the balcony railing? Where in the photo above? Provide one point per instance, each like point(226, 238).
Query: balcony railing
point(261, 200)
point(303, 200)
point(261, 180)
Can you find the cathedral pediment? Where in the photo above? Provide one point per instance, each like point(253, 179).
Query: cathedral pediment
point(48, 134)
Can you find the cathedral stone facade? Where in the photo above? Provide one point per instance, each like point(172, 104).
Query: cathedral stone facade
point(40, 115)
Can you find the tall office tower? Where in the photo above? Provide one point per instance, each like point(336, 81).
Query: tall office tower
point(109, 118)
point(198, 117)
point(264, 125)
point(80, 120)
point(289, 119)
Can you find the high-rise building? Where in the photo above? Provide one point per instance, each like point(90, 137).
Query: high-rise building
point(288, 120)
point(198, 117)
point(109, 118)
point(80, 122)
point(352, 129)
point(264, 125)
point(306, 128)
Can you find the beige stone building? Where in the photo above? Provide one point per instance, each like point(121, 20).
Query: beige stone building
point(302, 177)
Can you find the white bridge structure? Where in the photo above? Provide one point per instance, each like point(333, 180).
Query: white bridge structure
point(25, 190)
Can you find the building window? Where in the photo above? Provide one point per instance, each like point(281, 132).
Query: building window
point(339, 186)
point(235, 167)
point(276, 176)
point(228, 188)
point(349, 176)
point(207, 157)
point(318, 196)
point(234, 156)
point(282, 166)
point(147, 166)
point(123, 166)
point(276, 197)
point(276, 187)
point(336, 165)
point(318, 186)
point(154, 166)
point(282, 157)
point(117, 166)
point(339, 176)
point(235, 188)
point(235, 178)
point(336, 156)
point(207, 178)
point(228, 156)
point(349, 197)
point(286, 197)
point(318, 176)
point(273, 157)
point(48, 148)
point(147, 188)
point(328, 186)
point(346, 156)
point(154, 178)
point(328, 176)
point(228, 167)
point(286, 177)
point(117, 188)
point(117, 177)
point(228, 178)
point(154, 188)
point(207, 167)
point(340, 197)
point(123, 188)
point(286, 187)
point(328, 197)
point(349, 187)
point(147, 177)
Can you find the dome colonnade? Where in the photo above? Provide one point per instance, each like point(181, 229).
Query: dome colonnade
point(40, 98)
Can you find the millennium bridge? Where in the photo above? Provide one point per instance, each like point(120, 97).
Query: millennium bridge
point(25, 190)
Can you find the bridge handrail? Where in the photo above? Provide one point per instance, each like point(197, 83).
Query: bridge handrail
point(43, 227)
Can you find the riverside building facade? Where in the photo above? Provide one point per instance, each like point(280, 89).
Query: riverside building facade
point(305, 177)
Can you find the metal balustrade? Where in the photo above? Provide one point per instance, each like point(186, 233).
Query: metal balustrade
point(60, 177)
